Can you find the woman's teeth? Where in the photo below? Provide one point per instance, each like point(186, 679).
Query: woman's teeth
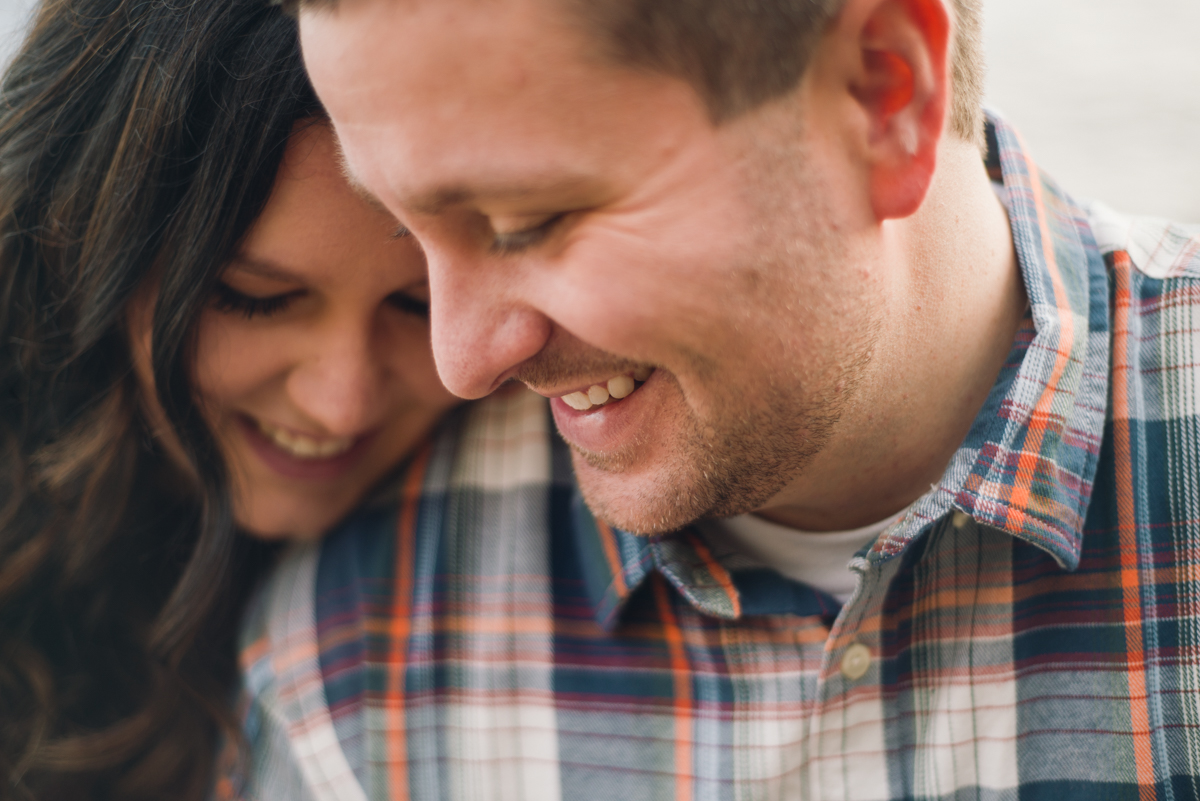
point(615, 388)
point(303, 447)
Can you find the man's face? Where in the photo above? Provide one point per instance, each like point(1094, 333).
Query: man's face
point(586, 224)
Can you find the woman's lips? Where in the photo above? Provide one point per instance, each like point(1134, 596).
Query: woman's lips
point(302, 446)
point(303, 467)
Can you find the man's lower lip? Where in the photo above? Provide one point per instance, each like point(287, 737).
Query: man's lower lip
point(290, 466)
point(611, 426)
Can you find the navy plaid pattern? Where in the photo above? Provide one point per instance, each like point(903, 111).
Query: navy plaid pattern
point(1027, 630)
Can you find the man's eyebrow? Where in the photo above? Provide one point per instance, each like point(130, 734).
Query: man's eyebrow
point(438, 200)
point(551, 189)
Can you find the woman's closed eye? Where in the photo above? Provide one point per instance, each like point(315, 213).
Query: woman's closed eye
point(409, 305)
point(229, 300)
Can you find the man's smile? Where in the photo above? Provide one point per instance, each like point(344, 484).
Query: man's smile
point(604, 392)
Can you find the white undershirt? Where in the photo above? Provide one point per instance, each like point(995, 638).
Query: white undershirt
point(820, 560)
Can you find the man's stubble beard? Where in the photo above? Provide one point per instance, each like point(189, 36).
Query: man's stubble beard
point(731, 464)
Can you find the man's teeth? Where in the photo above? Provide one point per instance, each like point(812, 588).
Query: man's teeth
point(619, 387)
point(304, 447)
point(578, 401)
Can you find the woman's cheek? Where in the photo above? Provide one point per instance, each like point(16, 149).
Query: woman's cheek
point(236, 358)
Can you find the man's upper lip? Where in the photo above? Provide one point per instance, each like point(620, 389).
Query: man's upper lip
point(640, 373)
point(558, 393)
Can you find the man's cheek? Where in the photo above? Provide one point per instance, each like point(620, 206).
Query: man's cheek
point(613, 304)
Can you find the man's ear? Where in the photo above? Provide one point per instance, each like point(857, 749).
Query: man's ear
point(900, 81)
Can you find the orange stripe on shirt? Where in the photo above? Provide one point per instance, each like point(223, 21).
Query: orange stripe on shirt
point(396, 744)
point(608, 540)
point(1030, 453)
point(1131, 587)
point(681, 676)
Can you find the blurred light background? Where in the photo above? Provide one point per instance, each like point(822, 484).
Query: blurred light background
point(1106, 93)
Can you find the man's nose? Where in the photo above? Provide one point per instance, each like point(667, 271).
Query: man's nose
point(480, 327)
point(340, 385)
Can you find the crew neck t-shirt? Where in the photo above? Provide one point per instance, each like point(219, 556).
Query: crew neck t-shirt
point(819, 559)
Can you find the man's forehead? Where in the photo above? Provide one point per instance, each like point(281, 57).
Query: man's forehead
point(413, 20)
point(418, 141)
point(447, 54)
point(378, 67)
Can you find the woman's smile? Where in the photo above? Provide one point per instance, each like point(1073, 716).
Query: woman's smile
point(302, 456)
point(305, 446)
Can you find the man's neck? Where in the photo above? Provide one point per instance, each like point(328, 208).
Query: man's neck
point(955, 306)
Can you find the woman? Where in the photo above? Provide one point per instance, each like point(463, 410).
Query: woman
point(203, 329)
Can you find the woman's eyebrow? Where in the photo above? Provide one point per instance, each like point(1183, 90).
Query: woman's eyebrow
point(366, 195)
point(356, 185)
point(263, 269)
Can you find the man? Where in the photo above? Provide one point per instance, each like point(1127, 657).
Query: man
point(788, 318)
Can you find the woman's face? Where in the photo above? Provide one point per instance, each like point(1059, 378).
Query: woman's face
point(313, 362)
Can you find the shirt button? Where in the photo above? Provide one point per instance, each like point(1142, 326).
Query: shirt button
point(856, 661)
point(961, 519)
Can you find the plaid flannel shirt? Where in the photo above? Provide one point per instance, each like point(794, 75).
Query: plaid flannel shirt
point(1029, 629)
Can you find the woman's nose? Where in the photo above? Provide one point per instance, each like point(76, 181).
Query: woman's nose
point(339, 385)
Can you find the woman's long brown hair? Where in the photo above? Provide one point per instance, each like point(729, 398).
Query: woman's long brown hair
point(137, 138)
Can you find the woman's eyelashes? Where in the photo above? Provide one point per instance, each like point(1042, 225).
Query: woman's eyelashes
point(228, 299)
point(409, 305)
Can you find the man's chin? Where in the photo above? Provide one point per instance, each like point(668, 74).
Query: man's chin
point(661, 492)
point(640, 501)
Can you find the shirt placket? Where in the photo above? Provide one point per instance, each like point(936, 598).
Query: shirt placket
point(846, 743)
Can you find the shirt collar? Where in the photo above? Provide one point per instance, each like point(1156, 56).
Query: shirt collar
point(1029, 461)
point(1028, 464)
point(615, 563)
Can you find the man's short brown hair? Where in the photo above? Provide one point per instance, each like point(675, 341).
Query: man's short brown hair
point(739, 54)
